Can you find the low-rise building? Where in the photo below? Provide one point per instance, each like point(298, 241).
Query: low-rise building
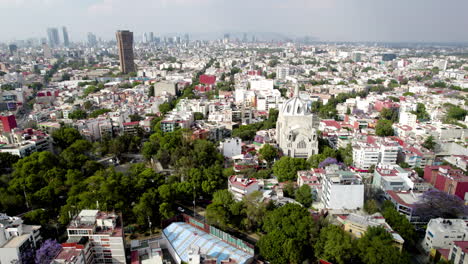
point(404, 202)
point(446, 179)
point(231, 147)
point(459, 252)
point(240, 186)
point(357, 226)
point(441, 233)
point(17, 239)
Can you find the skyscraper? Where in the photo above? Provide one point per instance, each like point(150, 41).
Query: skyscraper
point(125, 45)
point(92, 41)
point(66, 41)
point(53, 37)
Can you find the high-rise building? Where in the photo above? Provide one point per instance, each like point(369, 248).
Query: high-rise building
point(186, 38)
point(66, 41)
point(125, 45)
point(92, 40)
point(53, 37)
point(13, 48)
point(151, 37)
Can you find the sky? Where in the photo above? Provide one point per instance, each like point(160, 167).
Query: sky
point(327, 20)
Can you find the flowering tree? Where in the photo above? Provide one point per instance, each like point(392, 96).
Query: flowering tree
point(48, 251)
point(328, 161)
point(435, 203)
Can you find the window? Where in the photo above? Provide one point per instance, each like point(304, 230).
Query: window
point(301, 145)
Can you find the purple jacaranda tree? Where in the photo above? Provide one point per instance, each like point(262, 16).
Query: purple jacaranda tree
point(328, 161)
point(434, 203)
point(48, 251)
point(357, 112)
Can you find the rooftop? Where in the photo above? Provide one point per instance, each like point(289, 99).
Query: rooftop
point(183, 237)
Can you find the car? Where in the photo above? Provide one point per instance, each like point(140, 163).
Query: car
point(180, 209)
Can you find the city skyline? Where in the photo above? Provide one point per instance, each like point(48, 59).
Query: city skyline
point(337, 20)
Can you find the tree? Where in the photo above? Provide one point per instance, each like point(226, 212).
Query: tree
point(389, 114)
point(151, 91)
point(268, 153)
point(78, 114)
point(371, 206)
point(198, 116)
point(166, 211)
point(304, 195)
point(429, 143)
point(65, 136)
point(335, 245)
point(135, 117)
point(47, 252)
point(290, 231)
point(99, 112)
point(376, 247)
point(286, 168)
point(435, 203)
point(6, 161)
point(384, 128)
point(400, 224)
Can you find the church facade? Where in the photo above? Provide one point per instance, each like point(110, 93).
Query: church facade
point(296, 128)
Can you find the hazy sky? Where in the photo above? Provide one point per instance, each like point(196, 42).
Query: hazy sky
point(347, 20)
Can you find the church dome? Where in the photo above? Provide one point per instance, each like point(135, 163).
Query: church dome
point(296, 107)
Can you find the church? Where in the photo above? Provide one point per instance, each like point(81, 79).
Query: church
point(296, 128)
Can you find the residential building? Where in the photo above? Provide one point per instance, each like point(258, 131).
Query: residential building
point(165, 87)
point(79, 252)
point(296, 128)
point(231, 147)
point(8, 123)
point(441, 233)
point(105, 232)
point(17, 239)
point(374, 150)
point(395, 178)
point(125, 46)
point(341, 189)
point(357, 226)
point(446, 179)
point(404, 202)
point(408, 119)
point(240, 186)
point(459, 252)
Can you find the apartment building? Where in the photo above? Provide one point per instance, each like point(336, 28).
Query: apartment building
point(341, 189)
point(374, 150)
point(441, 233)
point(240, 186)
point(17, 239)
point(105, 233)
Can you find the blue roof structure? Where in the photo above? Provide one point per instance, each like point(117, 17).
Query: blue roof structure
point(183, 236)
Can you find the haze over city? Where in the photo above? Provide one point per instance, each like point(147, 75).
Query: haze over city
point(331, 20)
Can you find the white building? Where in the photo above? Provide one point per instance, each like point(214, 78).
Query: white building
point(297, 128)
point(459, 252)
point(282, 73)
point(374, 150)
point(240, 187)
point(16, 238)
point(407, 119)
point(441, 233)
point(105, 230)
point(231, 147)
point(341, 189)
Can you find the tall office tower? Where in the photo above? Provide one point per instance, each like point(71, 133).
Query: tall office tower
point(13, 48)
point(151, 37)
point(145, 37)
point(125, 45)
point(186, 38)
point(226, 38)
point(92, 41)
point(66, 41)
point(244, 38)
point(53, 36)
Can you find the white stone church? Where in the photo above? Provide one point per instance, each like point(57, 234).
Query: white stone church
point(296, 128)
